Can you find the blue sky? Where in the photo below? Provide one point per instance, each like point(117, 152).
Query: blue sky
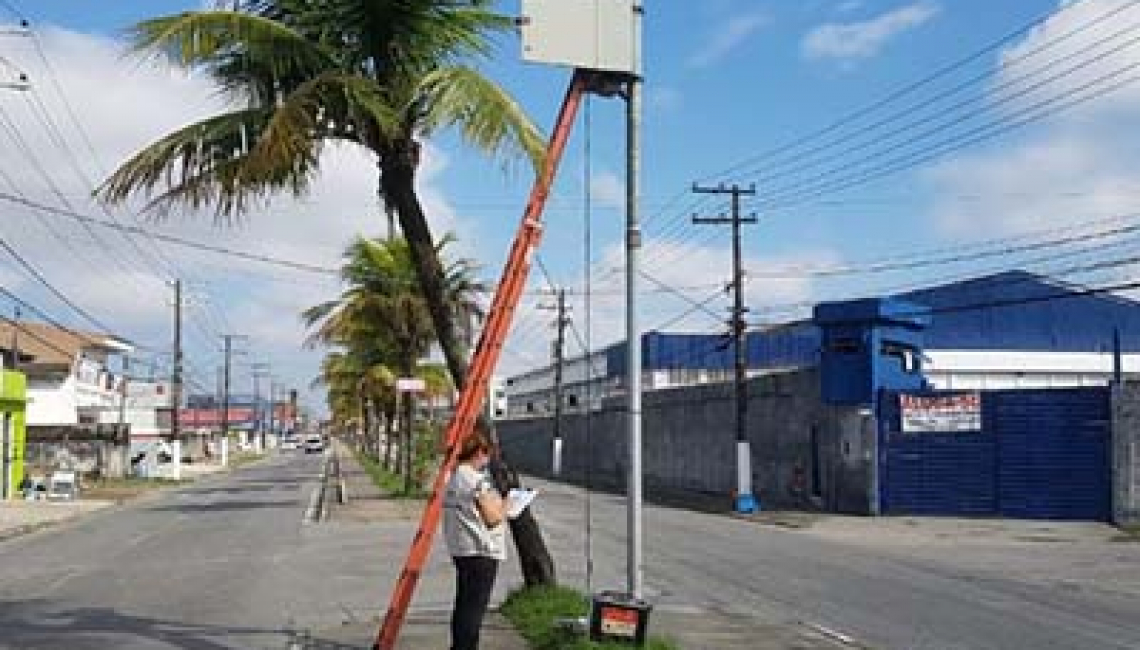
point(726, 81)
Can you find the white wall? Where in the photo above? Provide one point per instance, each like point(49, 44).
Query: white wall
point(52, 402)
point(997, 369)
point(59, 402)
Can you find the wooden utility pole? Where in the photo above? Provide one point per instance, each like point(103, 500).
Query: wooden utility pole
point(745, 501)
point(176, 370)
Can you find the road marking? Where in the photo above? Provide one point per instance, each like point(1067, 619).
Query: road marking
point(831, 633)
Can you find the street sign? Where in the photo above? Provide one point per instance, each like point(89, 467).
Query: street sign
point(410, 385)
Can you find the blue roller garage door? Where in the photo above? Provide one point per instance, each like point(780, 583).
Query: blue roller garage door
point(1039, 454)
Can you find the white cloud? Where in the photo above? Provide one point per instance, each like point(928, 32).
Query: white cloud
point(727, 37)
point(1081, 48)
point(1071, 167)
point(849, 5)
point(847, 42)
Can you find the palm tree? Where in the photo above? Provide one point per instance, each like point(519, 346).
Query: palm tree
point(379, 74)
point(381, 317)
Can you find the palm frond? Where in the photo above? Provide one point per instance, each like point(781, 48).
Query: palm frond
point(226, 42)
point(485, 114)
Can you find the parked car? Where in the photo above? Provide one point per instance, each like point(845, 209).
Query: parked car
point(314, 444)
point(288, 444)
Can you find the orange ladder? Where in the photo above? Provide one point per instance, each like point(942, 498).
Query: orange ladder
point(487, 351)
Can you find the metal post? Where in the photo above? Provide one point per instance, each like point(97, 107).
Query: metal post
point(632, 333)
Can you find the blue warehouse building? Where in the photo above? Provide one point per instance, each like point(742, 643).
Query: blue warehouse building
point(1010, 330)
point(982, 397)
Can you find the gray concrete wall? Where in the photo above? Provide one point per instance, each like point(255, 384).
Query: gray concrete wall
point(690, 444)
point(1126, 454)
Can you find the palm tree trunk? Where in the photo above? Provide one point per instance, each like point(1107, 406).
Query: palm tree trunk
point(398, 182)
point(366, 425)
point(389, 430)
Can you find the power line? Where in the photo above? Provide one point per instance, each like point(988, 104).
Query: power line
point(901, 92)
point(200, 246)
point(887, 266)
point(909, 89)
point(820, 185)
point(52, 288)
point(868, 132)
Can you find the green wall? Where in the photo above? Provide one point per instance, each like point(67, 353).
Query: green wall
point(13, 402)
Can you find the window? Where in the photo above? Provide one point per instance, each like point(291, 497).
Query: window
point(846, 345)
point(907, 356)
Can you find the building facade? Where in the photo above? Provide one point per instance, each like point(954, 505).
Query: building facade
point(13, 403)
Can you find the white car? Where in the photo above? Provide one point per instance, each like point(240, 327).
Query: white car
point(288, 444)
point(314, 444)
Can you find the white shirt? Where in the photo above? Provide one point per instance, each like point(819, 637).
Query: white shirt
point(463, 526)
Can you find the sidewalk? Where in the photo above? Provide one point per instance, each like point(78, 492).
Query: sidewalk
point(423, 629)
point(19, 517)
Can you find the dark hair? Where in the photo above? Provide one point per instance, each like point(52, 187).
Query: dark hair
point(475, 443)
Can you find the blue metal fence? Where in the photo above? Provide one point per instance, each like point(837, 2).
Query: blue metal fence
point(1039, 454)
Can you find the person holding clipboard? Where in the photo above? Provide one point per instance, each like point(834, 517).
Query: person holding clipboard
point(474, 526)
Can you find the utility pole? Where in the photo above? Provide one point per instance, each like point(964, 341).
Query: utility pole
point(16, 339)
point(123, 394)
point(559, 359)
point(229, 339)
point(272, 406)
point(176, 371)
point(257, 371)
point(745, 501)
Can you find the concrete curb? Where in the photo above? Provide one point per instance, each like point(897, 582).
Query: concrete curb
point(317, 509)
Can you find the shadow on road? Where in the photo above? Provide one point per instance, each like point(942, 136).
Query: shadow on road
point(41, 624)
point(263, 487)
point(224, 506)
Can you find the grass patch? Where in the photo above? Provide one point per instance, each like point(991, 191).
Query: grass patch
point(244, 458)
point(534, 611)
point(1128, 533)
point(390, 483)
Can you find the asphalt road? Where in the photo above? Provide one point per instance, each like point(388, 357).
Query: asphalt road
point(227, 563)
point(222, 563)
point(1008, 596)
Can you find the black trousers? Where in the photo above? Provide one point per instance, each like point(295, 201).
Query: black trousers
point(474, 579)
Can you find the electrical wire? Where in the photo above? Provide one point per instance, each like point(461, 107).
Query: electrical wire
point(820, 185)
point(901, 92)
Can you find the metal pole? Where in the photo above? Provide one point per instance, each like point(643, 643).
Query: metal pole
point(632, 333)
